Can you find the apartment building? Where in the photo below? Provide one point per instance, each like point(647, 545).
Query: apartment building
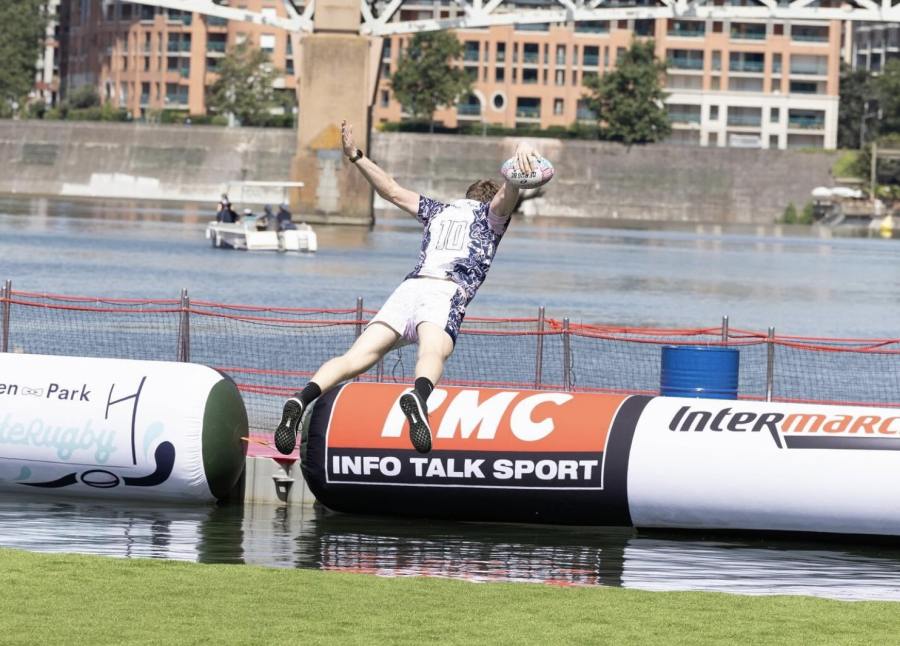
point(47, 72)
point(730, 82)
point(146, 58)
point(874, 44)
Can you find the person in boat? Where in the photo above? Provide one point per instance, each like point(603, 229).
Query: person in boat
point(267, 220)
point(225, 213)
point(284, 218)
point(459, 242)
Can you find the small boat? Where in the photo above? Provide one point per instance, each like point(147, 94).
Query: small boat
point(245, 235)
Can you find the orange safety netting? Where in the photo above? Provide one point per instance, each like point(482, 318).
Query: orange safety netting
point(271, 351)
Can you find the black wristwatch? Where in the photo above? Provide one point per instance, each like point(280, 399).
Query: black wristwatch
point(359, 155)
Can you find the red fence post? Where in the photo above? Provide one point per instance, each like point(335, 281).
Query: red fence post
point(567, 356)
point(5, 295)
point(539, 354)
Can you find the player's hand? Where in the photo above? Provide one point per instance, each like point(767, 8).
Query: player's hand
point(347, 139)
point(525, 156)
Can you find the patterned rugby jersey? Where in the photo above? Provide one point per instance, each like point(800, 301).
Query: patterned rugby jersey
point(460, 241)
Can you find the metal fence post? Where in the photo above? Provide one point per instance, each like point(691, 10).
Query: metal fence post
point(184, 333)
point(725, 330)
point(567, 357)
point(539, 354)
point(359, 315)
point(5, 295)
point(770, 364)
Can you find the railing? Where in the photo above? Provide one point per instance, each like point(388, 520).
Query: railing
point(215, 46)
point(528, 112)
point(686, 33)
point(531, 57)
point(684, 117)
point(270, 351)
point(214, 21)
point(753, 120)
point(469, 109)
point(591, 60)
point(811, 70)
point(748, 35)
point(471, 56)
point(806, 123)
point(583, 114)
point(809, 38)
point(746, 66)
point(679, 63)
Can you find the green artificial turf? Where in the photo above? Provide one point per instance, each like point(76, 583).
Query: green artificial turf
point(68, 599)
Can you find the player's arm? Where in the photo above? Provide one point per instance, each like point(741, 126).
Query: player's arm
point(385, 185)
point(505, 200)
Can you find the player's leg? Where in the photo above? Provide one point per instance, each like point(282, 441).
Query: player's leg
point(441, 306)
point(374, 342)
point(435, 347)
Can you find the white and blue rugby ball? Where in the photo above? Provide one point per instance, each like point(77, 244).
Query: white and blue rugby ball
point(541, 174)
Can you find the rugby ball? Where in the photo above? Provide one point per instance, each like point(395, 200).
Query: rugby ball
point(541, 174)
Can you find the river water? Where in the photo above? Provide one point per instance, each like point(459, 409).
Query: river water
point(802, 284)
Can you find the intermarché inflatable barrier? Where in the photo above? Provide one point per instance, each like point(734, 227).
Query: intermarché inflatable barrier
point(116, 428)
point(600, 459)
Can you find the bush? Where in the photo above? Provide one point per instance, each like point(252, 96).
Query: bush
point(790, 214)
point(574, 131)
point(83, 97)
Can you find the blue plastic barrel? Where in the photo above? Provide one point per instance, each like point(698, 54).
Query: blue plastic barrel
point(696, 371)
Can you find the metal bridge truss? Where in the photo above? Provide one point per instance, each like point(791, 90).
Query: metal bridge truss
point(377, 15)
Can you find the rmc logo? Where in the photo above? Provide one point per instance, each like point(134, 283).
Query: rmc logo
point(466, 417)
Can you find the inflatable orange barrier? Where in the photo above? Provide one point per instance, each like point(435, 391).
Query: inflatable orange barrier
point(584, 458)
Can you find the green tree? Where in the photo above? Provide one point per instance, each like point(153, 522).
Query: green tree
point(856, 88)
point(426, 78)
point(244, 87)
point(887, 89)
point(790, 214)
point(887, 172)
point(22, 24)
point(628, 101)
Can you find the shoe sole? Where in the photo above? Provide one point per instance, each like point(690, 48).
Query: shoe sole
point(286, 433)
point(419, 431)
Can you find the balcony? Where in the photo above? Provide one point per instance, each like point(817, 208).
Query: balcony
point(753, 67)
point(469, 109)
point(745, 120)
point(531, 57)
point(807, 36)
point(748, 32)
point(687, 33)
point(806, 123)
point(681, 63)
point(145, 99)
point(681, 116)
point(214, 21)
point(470, 56)
point(584, 114)
point(591, 60)
point(528, 112)
point(215, 46)
point(809, 70)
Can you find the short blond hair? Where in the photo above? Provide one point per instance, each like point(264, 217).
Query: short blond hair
point(482, 190)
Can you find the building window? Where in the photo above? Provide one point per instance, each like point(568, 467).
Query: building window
point(773, 141)
point(500, 74)
point(501, 52)
point(528, 107)
point(714, 83)
point(531, 53)
point(591, 56)
point(644, 27)
point(774, 115)
point(498, 101)
point(385, 98)
point(560, 54)
point(776, 63)
point(470, 50)
point(713, 113)
point(583, 111)
point(804, 87)
point(558, 106)
point(592, 27)
point(267, 42)
point(560, 77)
point(529, 76)
point(386, 70)
point(716, 61)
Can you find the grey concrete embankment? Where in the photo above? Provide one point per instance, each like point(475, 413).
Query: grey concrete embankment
point(594, 179)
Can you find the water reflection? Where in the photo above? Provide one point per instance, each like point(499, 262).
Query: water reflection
point(307, 537)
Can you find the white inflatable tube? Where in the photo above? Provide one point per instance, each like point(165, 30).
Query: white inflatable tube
point(117, 428)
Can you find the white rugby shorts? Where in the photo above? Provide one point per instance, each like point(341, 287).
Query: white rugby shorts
point(421, 300)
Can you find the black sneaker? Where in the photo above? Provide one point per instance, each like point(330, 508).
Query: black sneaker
point(286, 433)
point(417, 415)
